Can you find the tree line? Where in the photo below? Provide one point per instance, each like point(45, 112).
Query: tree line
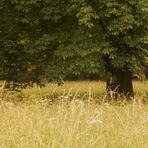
point(57, 39)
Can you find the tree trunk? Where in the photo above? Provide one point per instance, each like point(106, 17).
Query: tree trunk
point(81, 77)
point(120, 84)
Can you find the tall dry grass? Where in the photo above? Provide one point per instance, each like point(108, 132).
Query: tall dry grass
point(76, 124)
point(82, 90)
point(75, 120)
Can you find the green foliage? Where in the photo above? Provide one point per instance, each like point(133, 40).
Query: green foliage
point(63, 37)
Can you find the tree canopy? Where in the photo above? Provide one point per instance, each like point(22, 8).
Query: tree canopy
point(48, 38)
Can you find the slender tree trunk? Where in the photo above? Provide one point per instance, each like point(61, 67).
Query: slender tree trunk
point(120, 83)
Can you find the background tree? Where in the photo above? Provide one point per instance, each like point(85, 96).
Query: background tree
point(53, 39)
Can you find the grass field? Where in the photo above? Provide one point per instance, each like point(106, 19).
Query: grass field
point(80, 90)
point(73, 116)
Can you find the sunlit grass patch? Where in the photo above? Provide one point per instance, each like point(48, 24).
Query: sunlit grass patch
point(81, 90)
point(76, 124)
point(71, 116)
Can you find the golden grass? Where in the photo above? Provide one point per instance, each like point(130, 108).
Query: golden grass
point(28, 121)
point(80, 90)
point(76, 124)
point(80, 87)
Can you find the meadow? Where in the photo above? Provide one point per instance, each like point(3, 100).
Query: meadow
point(75, 115)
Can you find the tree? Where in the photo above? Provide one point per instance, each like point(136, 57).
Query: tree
point(83, 36)
point(120, 27)
point(115, 31)
point(125, 36)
